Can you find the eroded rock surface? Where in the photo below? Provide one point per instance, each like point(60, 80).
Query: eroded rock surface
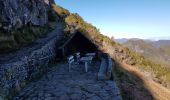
point(17, 13)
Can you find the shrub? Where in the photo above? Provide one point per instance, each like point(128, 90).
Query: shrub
point(52, 16)
point(22, 37)
point(7, 44)
point(60, 10)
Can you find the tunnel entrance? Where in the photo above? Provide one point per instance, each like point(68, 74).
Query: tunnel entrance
point(78, 43)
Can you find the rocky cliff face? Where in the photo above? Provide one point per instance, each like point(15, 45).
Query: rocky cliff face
point(17, 13)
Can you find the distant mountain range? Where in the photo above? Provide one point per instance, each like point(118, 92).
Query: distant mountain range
point(124, 40)
point(157, 51)
point(161, 43)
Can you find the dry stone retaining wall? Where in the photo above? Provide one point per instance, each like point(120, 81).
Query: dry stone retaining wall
point(14, 75)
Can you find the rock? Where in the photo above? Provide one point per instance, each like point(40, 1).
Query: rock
point(88, 95)
point(49, 98)
point(94, 88)
point(94, 98)
point(17, 86)
point(40, 95)
point(117, 98)
point(74, 88)
point(47, 95)
point(64, 97)
point(75, 97)
point(16, 13)
point(20, 71)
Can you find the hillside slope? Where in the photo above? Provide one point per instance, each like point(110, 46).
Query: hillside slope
point(134, 84)
point(121, 54)
point(155, 51)
point(163, 44)
point(24, 21)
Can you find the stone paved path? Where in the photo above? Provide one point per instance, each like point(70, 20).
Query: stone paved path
point(59, 84)
point(25, 51)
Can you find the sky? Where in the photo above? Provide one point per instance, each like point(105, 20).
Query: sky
point(147, 19)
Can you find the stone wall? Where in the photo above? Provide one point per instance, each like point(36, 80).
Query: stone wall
point(14, 75)
point(106, 66)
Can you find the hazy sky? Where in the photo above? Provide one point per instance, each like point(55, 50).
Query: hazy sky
point(125, 18)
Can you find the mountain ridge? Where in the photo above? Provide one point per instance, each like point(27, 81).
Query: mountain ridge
point(154, 50)
point(121, 54)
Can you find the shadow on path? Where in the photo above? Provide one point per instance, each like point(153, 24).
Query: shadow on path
point(131, 84)
point(59, 84)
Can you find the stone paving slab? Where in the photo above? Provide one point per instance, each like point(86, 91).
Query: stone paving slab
point(59, 84)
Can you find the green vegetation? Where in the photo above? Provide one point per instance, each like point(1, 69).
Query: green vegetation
point(166, 48)
point(22, 37)
point(60, 11)
point(75, 22)
point(155, 62)
point(161, 72)
point(26, 35)
point(7, 43)
point(131, 86)
point(149, 50)
point(52, 16)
